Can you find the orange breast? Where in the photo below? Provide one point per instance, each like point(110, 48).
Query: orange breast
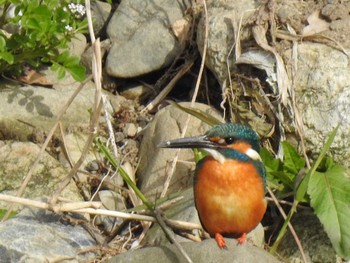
point(229, 197)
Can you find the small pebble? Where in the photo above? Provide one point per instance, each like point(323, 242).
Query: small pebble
point(130, 130)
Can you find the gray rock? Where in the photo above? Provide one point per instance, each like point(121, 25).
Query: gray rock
point(16, 159)
point(206, 251)
point(137, 92)
point(86, 57)
point(223, 18)
point(315, 242)
point(322, 93)
point(130, 130)
point(142, 37)
point(154, 162)
point(24, 109)
point(75, 143)
point(100, 12)
point(41, 236)
point(112, 201)
point(183, 210)
point(77, 45)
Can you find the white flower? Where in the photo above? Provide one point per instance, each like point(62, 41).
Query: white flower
point(68, 28)
point(77, 9)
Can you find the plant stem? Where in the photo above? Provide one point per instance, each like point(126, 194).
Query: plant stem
point(284, 227)
point(124, 175)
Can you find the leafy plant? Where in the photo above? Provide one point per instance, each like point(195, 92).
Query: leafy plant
point(326, 187)
point(282, 175)
point(34, 33)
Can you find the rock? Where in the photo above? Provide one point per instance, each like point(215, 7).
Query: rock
point(154, 162)
point(184, 210)
point(16, 159)
point(322, 92)
point(117, 103)
point(112, 201)
point(223, 17)
point(315, 242)
point(86, 57)
point(137, 92)
point(100, 12)
point(24, 109)
point(206, 251)
point(141, 35)
point(41, 236)
point(130, 130)
point(75, 143)
point(77, 45)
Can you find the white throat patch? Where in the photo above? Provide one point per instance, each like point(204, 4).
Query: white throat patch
point(216, 155)
point(253, 154)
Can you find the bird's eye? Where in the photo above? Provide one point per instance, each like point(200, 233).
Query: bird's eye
point(229, 140)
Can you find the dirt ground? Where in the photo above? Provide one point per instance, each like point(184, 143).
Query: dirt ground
point(332, 18)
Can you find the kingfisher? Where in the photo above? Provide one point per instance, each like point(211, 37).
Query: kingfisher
point(229, 183)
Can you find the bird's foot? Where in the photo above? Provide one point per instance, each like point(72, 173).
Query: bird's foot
point(242, 239)
point(220, 241)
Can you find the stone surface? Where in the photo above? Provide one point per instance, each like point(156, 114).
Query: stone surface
point(16, 159)
point(154, 162)
point(223, 19)
point(24, 109)
point(41, 236)
point(322, 93)
point(77, 45)
point(100, 12)
point(136, 91)
point(75, 143)
point(315, 242)
point(206, 251)
point(130, 130)
point(86, 57)
point(142, 37)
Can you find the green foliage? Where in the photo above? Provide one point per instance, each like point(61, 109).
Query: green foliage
point(199, 154)
point(281, 175)
point(3, 212)
point(302, 187)
point(37, 32)
point(326, 185)
point(329, 193)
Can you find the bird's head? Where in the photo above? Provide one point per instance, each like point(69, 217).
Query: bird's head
point(220, 139)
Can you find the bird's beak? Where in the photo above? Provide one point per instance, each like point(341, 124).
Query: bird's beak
point(189, 142)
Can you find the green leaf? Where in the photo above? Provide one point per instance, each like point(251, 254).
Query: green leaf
point(3, 212)
point(303, 185)
point(78, 72)
point(330, 199)
point(273, 167)
point(199, 154)
point(292, 161)
point(2, 43)
point(61, 72)
point(270, 162)
point(8, 57)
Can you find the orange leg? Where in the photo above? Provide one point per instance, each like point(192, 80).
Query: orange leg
point(220, 241)
point(242, 239)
